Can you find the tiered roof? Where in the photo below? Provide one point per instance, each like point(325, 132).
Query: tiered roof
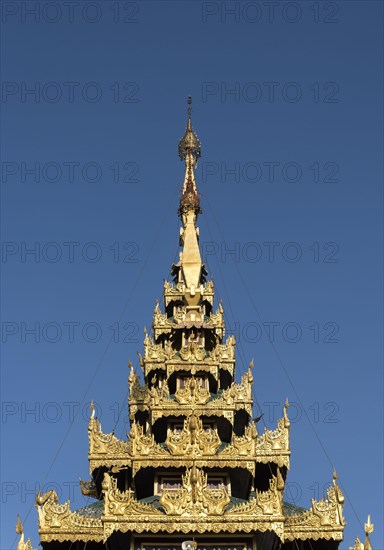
point(190, 418)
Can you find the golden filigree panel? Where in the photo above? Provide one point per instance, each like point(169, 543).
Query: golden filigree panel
point(198, 525)
point(192, 393)
point(159, 402)
point(123, 503)
point(193, 352)
point(323, 520)
point(58, 522)
point(185, 462)
point(193, 439)
point(177, 292)
point(266, 502)
point(195, 497)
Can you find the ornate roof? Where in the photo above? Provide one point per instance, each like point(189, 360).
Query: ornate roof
point(190, 445)
point(190, 415)
point(194, 507)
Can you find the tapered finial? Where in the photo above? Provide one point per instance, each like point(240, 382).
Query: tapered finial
point(19, 526)
point(368, 527)
point(189, 145)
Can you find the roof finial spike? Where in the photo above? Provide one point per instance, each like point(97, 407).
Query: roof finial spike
point(19, 526)
point(287, 422)
point(189, 209)
point(368, 527)
point(189, 145)
point(189, 111)
point(335, 476)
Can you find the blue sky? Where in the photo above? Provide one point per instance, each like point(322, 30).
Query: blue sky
point(287, 104)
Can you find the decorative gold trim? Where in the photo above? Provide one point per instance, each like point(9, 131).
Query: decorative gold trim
point(193, 440)
point(159, 403)
point(265, 503)
point(192, 443)
point(88, 488)
point(324, 520)
point(122, 503)
point(58, 522)
point(193, 507)
point(192, 393)
point(195, 497)
point(176, 292)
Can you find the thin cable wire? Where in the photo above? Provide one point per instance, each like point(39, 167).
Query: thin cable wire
point(121, 408)
point(100, 363)
point(238, 344)
point(285, 371)
point(125, 400)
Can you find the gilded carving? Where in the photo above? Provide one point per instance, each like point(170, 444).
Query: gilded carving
point(179, 365)
point(161, 323)
point(175, 461)
point(236, 397)
point(323, 520)
point(153, 353)
point(224, 352)
point(268, 502)
point(193, 439)
point(88, 488)
point(192, 352)
point(216, 321)
point(105, 444)
point(112, 448)
point(196, 524)
point(175, 292)
point(57, 521)
point(192, 393)
point(144, 444)
point(195, 497)
point(239, 392)
point(244, 445)
point(123, 503)
point(271, 446)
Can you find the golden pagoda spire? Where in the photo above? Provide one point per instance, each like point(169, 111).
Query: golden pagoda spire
point(193, 462)
point(190, 151)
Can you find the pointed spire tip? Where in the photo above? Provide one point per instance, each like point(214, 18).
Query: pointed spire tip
point(189, 143)
point(19, 526)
